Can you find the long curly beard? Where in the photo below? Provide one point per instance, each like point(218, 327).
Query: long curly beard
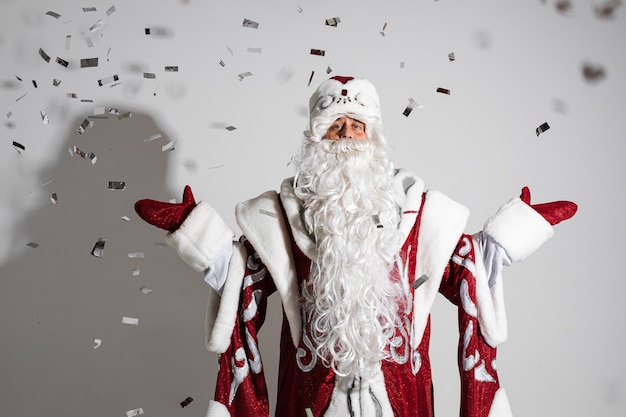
point(351, 301)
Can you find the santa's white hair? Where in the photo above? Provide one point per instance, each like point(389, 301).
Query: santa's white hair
point(351, 299)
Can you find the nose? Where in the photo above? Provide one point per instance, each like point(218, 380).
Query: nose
point(346, 132)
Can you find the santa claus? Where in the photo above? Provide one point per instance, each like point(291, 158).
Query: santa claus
point(357, 251)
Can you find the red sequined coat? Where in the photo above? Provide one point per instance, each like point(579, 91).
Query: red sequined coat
point(274, 255)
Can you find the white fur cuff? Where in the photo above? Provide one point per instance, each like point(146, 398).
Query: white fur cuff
point(217, 410)
point(201, 237)
point(519, 229)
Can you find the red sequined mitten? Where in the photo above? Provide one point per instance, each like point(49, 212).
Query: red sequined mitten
point(554, 212)
point(168, 216)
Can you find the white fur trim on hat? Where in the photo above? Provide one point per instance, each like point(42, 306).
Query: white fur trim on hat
point(338, 96)
point(201, 237)
point(519, 229)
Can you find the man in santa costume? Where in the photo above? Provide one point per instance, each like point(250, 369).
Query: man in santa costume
point(357, 250)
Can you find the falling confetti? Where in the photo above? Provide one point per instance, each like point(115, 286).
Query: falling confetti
point(268, 213)
point(19, 147)
point(247, 23)
point(108, 80)
point(32, 245)
point(133, 321)
point(254, 50)
point(171, 68)
point(53, 14)
point(98, 248)
point(44, 55)
point(382, 32)
point(88, 62)
point(318, 52)
point(153, 137)
point(333, 21)
point(244, 75)
point(542, 128)
point(54, 198)
point(134, 413)
point(44, 117)
point(145, 290)
point(97, 342)
point(593, 72)
point(451, 57)
point(418, 282)
point(149, 75)
point(186, 402)
point(62, 62)
point(443, 91)
point(135, 255)
point(409, 108)
point(311, 77)
point(117, 185)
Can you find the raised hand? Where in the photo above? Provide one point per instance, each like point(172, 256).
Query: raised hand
point(554, 212)
point(168, 216)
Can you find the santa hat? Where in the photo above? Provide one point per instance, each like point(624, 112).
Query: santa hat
point(354, 97)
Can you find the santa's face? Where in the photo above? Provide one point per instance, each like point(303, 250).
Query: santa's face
point(346, 127)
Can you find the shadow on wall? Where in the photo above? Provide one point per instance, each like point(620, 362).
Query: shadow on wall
point(64, 348)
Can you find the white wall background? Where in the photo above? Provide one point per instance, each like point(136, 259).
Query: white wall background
point(518, 64)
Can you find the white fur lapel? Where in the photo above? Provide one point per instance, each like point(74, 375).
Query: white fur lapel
point(262, 221)
point(442, 223)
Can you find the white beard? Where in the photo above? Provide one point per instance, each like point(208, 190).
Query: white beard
point(350, 300)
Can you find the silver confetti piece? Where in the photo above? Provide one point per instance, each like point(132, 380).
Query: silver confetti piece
point(134, 321)
point(244, 75)
point(98, 248)
point(254, 50)
point(418, 282)
point(108, 80)
point(451, 57)
point(126, 218)
point(171, 68)
point(110, 10)
point(32, 245)
point(318, 52)
point(68, 38)
point(117, 185)
point(54, 198)
point(124, 115)
point(62, 62)
point(84, 125)
point(89, 9)
point(333, 21)
point(135, 255)
point(542, 128)
point(247, 23)
point(88, 62)
point(443, 91)
point(149, 75)
point(44, 55)
point(96, 26)
point(136, 272)
point(230, 128)
point(18, 146)
point(268, 213)
point(145, 290)
point(153, 137)
point(168, 147)
point(44, 117)
point(56, 82)
point(53, 14)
